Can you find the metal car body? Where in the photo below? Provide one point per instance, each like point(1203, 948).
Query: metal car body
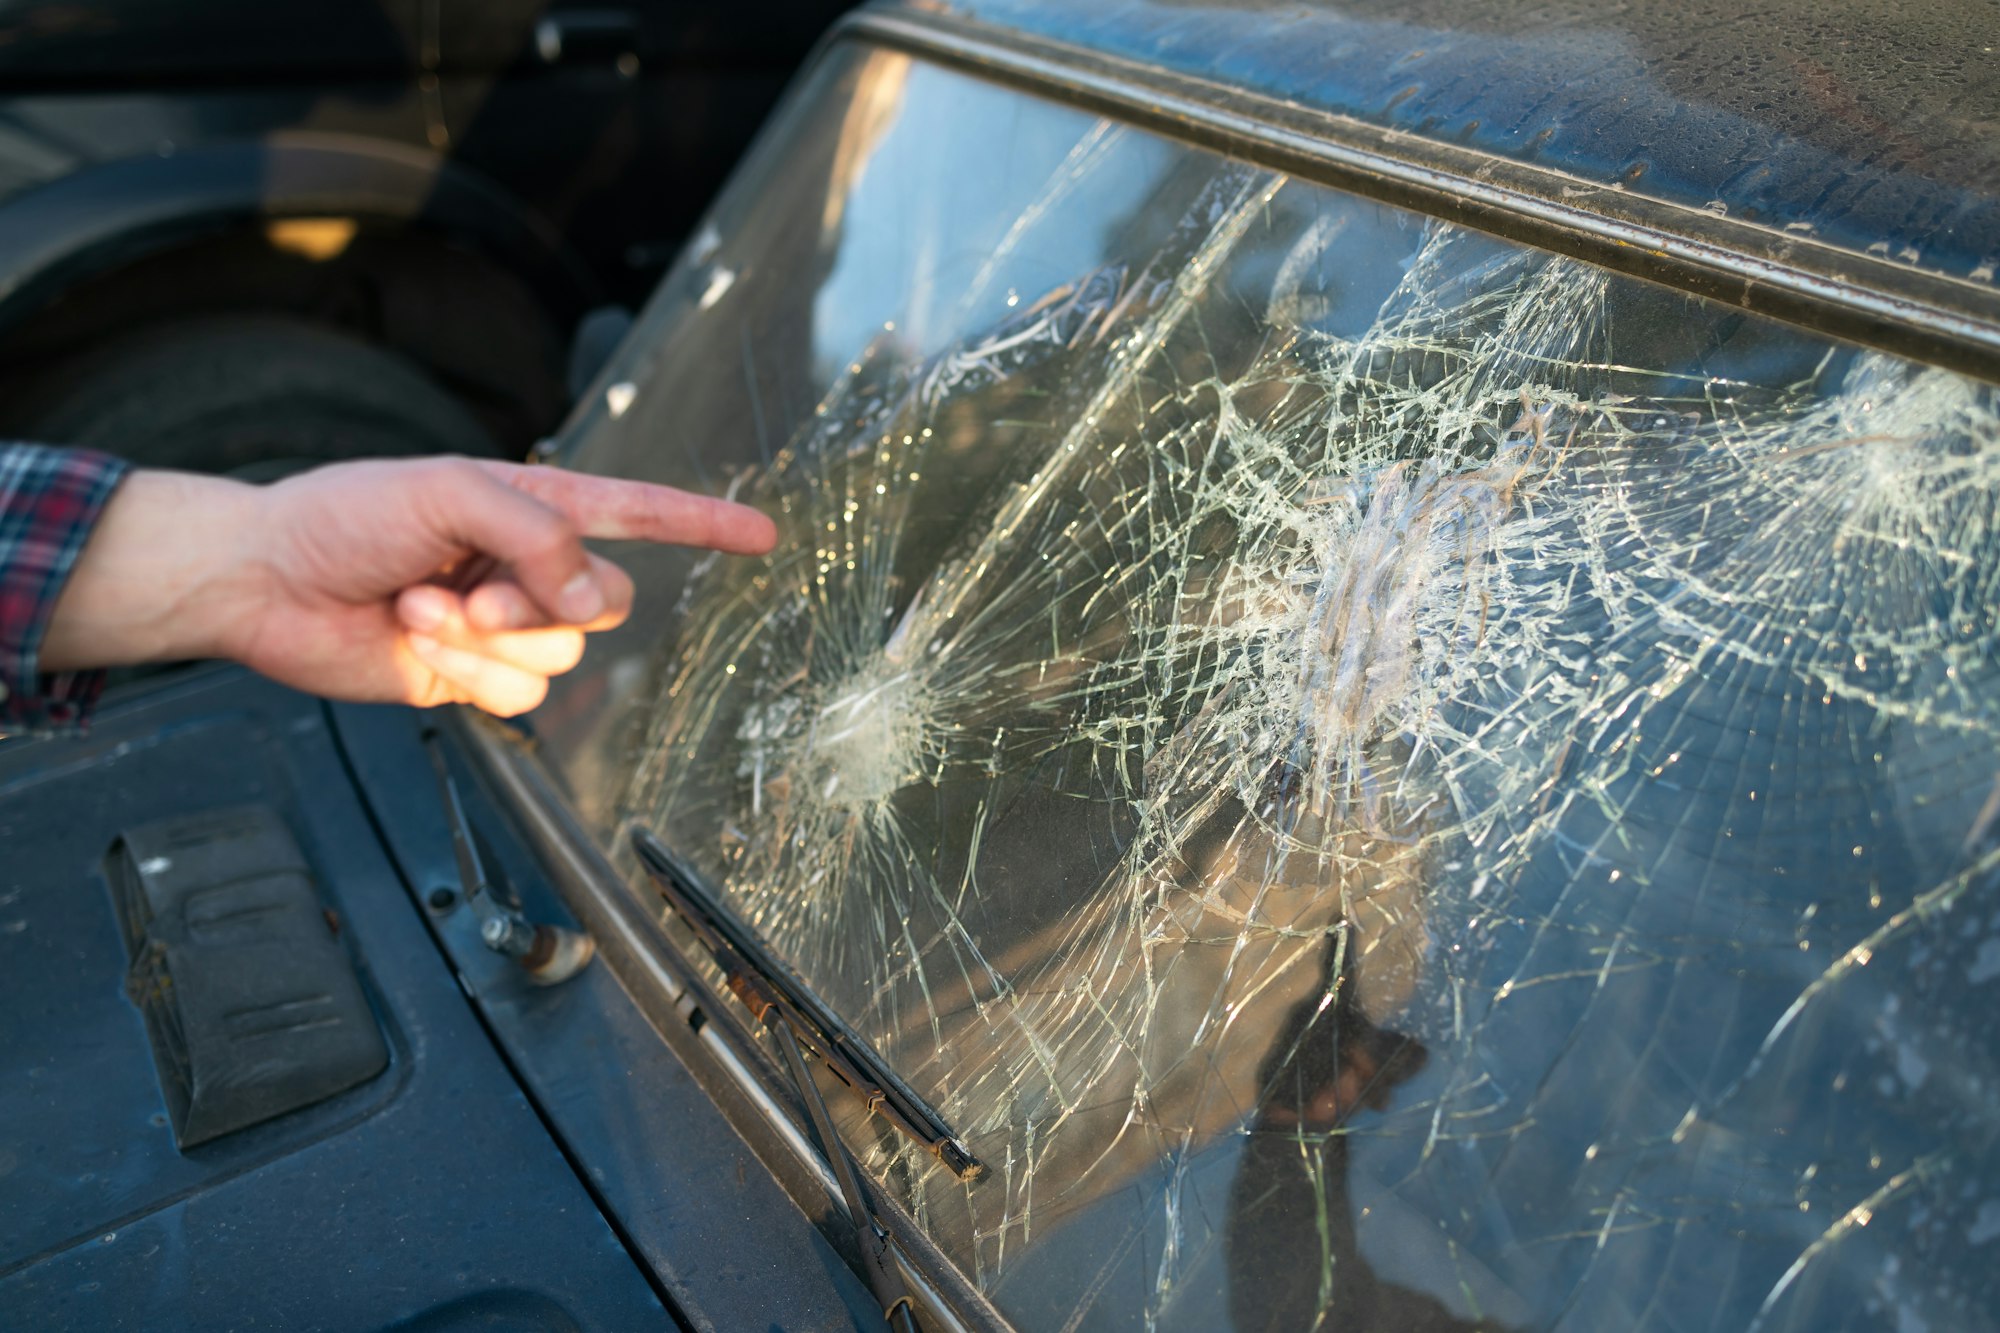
point(1378, 690)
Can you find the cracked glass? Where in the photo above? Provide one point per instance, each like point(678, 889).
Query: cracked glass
point(1381, 779)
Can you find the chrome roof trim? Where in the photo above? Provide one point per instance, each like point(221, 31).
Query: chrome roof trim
point(1793, 277)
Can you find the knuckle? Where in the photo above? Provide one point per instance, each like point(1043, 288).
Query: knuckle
point(443, 471)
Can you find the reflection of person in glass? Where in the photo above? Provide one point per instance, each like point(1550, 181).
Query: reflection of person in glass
point(1289, 1211)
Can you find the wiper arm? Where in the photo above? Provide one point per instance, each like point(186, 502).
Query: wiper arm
point(884, 1278)
point(799, 1022)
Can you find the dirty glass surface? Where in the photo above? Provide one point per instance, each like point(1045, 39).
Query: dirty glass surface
point(1860, 125)
point(1379, 778)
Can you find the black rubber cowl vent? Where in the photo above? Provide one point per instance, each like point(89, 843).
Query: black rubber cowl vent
point(251, 1004)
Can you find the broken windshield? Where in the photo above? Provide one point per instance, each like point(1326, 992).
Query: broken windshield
point(1378, 778)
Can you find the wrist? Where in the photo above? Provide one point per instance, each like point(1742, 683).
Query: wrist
point(164, 577)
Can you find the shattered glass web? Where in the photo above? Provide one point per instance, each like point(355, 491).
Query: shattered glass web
point(1437, 823)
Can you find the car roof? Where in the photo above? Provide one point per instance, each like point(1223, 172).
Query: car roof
point(1857, 142)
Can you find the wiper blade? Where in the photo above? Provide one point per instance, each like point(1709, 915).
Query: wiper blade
point(800, 1022)
point(782, 1002)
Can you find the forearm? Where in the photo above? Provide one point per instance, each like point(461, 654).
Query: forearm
point(51, 501)
point(163, 578)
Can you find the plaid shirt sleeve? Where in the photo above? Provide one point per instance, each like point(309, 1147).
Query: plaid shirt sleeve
point(50, 499)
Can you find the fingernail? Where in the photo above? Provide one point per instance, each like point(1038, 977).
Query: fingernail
point(580, 601)
point(422, 610)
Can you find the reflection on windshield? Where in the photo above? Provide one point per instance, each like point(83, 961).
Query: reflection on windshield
point(1378, 778)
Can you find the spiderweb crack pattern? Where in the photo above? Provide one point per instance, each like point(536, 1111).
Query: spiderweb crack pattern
point(1449, 763)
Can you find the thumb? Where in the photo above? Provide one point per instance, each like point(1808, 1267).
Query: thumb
point(542, 547)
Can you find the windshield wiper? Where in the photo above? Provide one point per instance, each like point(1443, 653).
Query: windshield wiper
point(755, 976)
point(801, 1022)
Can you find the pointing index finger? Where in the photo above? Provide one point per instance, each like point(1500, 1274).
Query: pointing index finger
point(616, 509)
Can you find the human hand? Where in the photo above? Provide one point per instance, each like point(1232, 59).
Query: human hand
point(426, 581)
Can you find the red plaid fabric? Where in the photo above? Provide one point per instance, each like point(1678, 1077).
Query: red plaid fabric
point(50, 500)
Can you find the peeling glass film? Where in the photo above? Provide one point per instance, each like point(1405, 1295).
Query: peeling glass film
point(1380, 779)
